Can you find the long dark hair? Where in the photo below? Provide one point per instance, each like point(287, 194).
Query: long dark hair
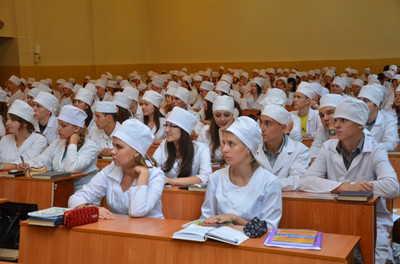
point(293, 82)
point(186, 149)
point(156, 118)
point(208, 114)
point(3, 111)
point(214, 136)
point(123, 114)
point(89, 117)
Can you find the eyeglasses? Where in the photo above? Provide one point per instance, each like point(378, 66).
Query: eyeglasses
point(170, 126)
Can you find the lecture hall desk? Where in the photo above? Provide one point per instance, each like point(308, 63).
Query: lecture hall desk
point(394, 158)
point(44, 193)
point(332, 216)
point(148, 240)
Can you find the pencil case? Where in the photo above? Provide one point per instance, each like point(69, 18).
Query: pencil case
point(81, 216)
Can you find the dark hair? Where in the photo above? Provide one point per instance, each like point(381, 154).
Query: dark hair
point(89, 117)
point(123, 114)
point(293, 82)
point(258, 89)
point(3, 111)
point(386, 67)
point(156, 118)
point(186, 150)
point(208, 114)
point(23, 122)
point(214, 136)
point(113, 115)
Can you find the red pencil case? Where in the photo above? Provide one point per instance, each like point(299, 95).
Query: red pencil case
point(81, 216)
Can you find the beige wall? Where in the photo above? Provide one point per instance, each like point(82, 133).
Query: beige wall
point(79, 37)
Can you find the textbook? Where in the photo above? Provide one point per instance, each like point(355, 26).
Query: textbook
point(51, 175)
point(197, 187)
point(294, 238)
point(13, 175)
point(355, 196)
point(200, 222)
point(202, 233)
point(53, 216)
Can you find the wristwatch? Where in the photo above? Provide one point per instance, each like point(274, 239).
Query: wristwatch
point(332, 132)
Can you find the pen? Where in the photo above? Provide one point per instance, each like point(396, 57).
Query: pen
point(23, 162)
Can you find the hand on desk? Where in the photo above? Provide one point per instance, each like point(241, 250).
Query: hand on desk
point(104, 213)
point(224, 218)
point(360, 186)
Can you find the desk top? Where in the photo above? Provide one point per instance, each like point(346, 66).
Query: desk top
point(163, 229)
point(23, 178)
point(3, 200)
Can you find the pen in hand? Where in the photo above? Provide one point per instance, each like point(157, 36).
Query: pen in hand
point(23, 162)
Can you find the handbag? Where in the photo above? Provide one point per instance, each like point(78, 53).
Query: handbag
point(31, 171)
point(81, 216)
point(10, 216)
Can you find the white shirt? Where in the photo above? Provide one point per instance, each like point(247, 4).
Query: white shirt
point(50, 132)
point(101, 139)
point(2, 127)
point(385, 130)
point(261, 197)
point(328, 172)
point(204, 137)
point(201, 166)
point(107, 98)
point(30, 148)
point(65, 101)
point(82, 161)
point(17, 95)
point(295, 133)
point(290, 165)
point(137, 201)
point(193, 96)
point(199, 104)
point(249, 103)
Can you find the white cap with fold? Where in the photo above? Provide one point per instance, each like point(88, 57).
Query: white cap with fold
point(206, 85)
point(122, 100)
point(352, 109)
point(157, 81)
point(306, 89)
point(259, 81)
point(154, 98)
point(183, 94)
point(340, 81)
point(15, 80)
point(330, 100)
point(211, 95)
point(223, 87)
point(136, 134)
point(47, 100)
point(227, 78)
point(132, 93)
point(85, 96)
point(358, 82)
point(372, 93)
point(91, 88)
point(101, 83)
point(183, 119)
point(105, 107)
point(248, 131)
point(72, 115)
point(23, 110)
point(224, 103)
point(275, 92)
point(278, 113)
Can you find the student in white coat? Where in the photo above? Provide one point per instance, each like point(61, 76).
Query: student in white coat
point(151, 102)
point(309, 117)
point(355, 162)
point(223, 117)
point(45, 105)
point(13, 86)
point(72, 152)
point(184, 161)
point(3, 112)
point(253, 96)
point(102, 94)
point(132, 184)
point(328, 103)
point(105, 116)
point(278, 153)
point(22, 141)
point(381, 124)
point(244, 189)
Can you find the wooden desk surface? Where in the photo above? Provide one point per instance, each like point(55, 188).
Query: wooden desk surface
point(148, 240)
point(394, 158)
point(332, 216)
point(3, 200)
point(44, 193)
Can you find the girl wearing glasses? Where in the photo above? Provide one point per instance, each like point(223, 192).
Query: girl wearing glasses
point(183, 161)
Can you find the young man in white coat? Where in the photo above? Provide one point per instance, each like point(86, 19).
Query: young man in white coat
point(355, 162)
point(310, 121)
point(285, 158)
point(381, 124)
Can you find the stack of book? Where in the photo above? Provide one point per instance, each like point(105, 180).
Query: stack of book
point(52, 217)
point(51, 175)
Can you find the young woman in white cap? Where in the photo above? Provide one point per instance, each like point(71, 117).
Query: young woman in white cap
point(72, 152)
point(3, 112)
point(168, 104)
point(13, 86)
point(151, 102)
point(83, 100)
point(65, 98)
point(135, 108)
point(123, 102)
point(244, 189)
point(206, 113)
point(223, 116)
point(395, 110)
point(45, 105)
point(184, 161)
point(253, 96)
point(22, 139)
point(132, 183)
